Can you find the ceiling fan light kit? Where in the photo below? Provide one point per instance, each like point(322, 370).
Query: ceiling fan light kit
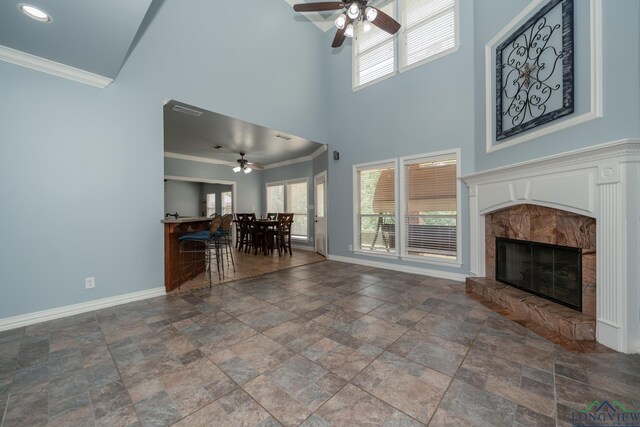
point(244, 165)
point(354, 11)
point(349, 31)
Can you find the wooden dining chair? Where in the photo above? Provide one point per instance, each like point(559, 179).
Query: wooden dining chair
point(272, 216)
point(283, 239)
point(239, 218)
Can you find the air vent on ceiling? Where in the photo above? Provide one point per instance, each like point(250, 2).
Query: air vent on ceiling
point(285, 137)
point(185, 110)
point(217, 147)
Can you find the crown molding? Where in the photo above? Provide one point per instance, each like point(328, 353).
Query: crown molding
point(296, 160)
point(198, 159)
point(311, 156)
point(54, 68)
point(319, 21)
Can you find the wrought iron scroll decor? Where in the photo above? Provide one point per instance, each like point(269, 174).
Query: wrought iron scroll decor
point(534, 71)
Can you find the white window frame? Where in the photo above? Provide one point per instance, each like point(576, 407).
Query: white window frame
point(230, 193)
point(354, 68)
point(286, 206)
point(215, 201)
point(356, 208)
point(266, 193)
point(285, 184)
point(399, 51)
point(457, 262)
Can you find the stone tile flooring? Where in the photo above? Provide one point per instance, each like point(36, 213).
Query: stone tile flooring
point(325, 344)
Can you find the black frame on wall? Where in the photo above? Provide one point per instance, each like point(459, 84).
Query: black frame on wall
point(527, 96)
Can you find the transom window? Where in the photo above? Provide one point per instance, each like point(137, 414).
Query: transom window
point(429, 31)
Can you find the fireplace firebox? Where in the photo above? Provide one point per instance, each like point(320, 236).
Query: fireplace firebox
point(550, 271)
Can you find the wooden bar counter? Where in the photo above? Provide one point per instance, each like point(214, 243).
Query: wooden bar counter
point(173, 229)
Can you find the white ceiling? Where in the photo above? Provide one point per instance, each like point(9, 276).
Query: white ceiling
point(192, 136)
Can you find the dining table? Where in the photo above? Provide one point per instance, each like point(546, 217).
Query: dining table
point(265, 225)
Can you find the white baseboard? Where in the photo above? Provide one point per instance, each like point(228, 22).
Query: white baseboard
point(70, 310)
point(403, 268)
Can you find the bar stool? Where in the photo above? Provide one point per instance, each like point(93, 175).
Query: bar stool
point(199, 246)
point(224, 241)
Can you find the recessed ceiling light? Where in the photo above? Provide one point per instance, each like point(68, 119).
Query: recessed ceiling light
point(34, 13)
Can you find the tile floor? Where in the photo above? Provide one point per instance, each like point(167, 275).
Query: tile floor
point(249, 265)
point(325, 344)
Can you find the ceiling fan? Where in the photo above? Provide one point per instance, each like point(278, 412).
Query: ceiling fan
point(354, 11)
point(243, 165)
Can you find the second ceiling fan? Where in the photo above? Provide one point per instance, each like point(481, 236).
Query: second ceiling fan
point(354, 11)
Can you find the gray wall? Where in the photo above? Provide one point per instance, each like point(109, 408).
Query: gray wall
point(621, 83)
point(182, 197)
point(441, 105)
point(90, 145)
point(216, 189)
point(248, 186)
point(426, 109)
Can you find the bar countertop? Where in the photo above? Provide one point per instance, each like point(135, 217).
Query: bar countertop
point(185, 220)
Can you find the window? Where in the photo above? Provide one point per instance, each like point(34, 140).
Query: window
point(409, 208)
point(293, 195)
point(297, 204)
point(430, 207)
point(375, 207)
point(429, 30)
point(211, 204)
point(227, 202)
point(275, 197)
point(374, 53)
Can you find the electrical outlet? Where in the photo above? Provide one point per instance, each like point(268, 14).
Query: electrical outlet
point(89, 282)
point(351, 248)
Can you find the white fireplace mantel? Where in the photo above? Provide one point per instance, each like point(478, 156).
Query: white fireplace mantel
point(602, 182)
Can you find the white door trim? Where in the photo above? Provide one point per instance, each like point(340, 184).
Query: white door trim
point(322, 176)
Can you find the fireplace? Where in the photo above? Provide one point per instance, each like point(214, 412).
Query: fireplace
point(551, 271)
point(599, 182)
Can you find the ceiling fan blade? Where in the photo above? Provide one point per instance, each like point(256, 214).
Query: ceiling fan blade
point(318, 7)
point(339, 38)
point(386, 23)
point(255, 165)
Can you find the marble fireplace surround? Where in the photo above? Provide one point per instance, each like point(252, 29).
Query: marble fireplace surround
point(600, 182)
point(535, 223)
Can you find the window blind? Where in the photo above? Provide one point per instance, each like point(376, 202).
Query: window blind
point(376, 207)
point(297, 204)
point(428, 29)
point(430, 206)
point(374, 51)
